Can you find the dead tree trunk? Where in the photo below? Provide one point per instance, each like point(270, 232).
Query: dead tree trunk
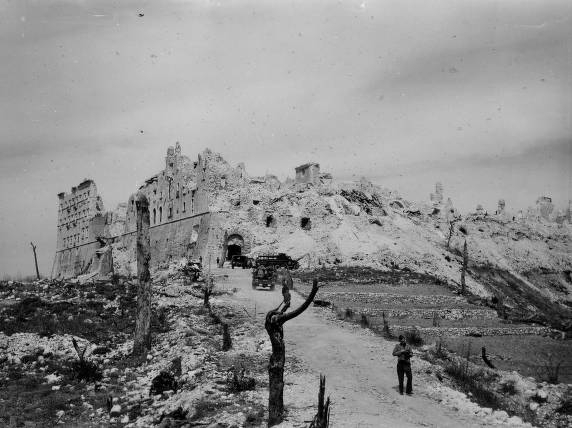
point(275, 320)
point(451, 230)
point(35, 260)
point(226, 339)
point(142, 342)
point(464, 269)
point(485, 358)
point(322, 418)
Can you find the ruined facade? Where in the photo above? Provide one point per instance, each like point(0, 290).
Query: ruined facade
point(81, 229)
point(308, 173)
point(182, 222)
point(206, 209)
point(437, 197)
point(545, 207)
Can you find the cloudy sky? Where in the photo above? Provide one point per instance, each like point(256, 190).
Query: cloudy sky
point(476, 94)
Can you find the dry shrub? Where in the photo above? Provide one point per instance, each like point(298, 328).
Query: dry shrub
point(475, 382)
point(237, 380)
point(509, 387)
point(413, 337)
point(364, 321)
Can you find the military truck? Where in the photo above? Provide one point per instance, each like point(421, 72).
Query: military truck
point(264, 276)
point(277, 261)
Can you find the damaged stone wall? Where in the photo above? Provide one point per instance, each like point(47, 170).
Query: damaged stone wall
point(81, 222)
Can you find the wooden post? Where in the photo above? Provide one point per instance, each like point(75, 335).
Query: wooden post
point(275, 319)
point(322, 418)
point(142, 342)
point(464, 269)
point(485, 358)
point(35, 260)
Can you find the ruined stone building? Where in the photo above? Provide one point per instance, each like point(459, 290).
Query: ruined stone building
point(81, 221)
point(307, 173)
point(207, 209)
point(437, 197)
point(182, 222)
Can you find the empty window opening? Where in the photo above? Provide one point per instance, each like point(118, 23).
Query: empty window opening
point(270, 221)
point(154, 216)
point(305, 223)
point(255, 202)
point(160, 214)
point(184, 206)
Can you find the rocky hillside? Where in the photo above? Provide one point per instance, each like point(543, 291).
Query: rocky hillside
point(524, 264)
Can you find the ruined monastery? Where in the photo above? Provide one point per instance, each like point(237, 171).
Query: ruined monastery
point(207, 209)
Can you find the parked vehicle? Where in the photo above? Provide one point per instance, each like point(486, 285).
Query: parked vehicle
point(240, 261)
point(264, 276)
point(278, 260)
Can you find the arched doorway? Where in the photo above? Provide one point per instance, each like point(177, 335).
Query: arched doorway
point(234, 246)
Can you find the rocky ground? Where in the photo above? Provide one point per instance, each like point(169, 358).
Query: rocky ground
point(189, 380)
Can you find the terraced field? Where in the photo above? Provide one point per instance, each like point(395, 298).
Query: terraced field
point(439, 314)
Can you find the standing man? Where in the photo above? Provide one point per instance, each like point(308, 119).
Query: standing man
point(403, 352)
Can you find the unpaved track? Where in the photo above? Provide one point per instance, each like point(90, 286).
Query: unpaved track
point(360, 370)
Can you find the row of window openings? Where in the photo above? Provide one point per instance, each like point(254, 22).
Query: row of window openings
point(77, 215)
point(305, 222)
point(70, 240)
point(68, 209)
point(170, 213)
point(73, 200)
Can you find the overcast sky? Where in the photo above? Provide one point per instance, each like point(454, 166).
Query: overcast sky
point(476, 94)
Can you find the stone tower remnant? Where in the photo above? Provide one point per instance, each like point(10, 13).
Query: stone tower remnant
point(437, 197)
point(545, 207)
point(308, 173)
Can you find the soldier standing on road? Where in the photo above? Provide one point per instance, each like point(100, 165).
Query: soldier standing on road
point(403, 352)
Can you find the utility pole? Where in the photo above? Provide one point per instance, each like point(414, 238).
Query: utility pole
point(35, 260)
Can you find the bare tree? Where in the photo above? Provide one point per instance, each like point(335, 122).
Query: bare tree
point(35, 260)
point(452, 229)
point(275, 320)
point(142, 342)
point(464, 269)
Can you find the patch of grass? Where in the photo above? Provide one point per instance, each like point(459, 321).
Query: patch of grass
point(206, 407)
point(550, 370)
point(85, 370)
point(365, 275)
point(473, 382)
point(508, 387)
point(237, 380)
point(565, 407)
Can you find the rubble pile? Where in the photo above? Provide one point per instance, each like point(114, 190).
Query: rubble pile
point(186, 376)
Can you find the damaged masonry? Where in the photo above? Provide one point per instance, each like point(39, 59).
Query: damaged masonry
point(206, 209)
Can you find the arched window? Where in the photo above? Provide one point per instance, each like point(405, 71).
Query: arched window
point(154, 216)
point(160, 214)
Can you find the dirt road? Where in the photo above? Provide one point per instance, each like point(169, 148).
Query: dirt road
point(360, 370)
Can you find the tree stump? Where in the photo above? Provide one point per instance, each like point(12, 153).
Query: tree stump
point(322, 418)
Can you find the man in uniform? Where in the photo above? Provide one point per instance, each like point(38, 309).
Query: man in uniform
point(403, 352)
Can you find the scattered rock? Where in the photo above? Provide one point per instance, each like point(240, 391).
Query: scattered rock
point(115, 410)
